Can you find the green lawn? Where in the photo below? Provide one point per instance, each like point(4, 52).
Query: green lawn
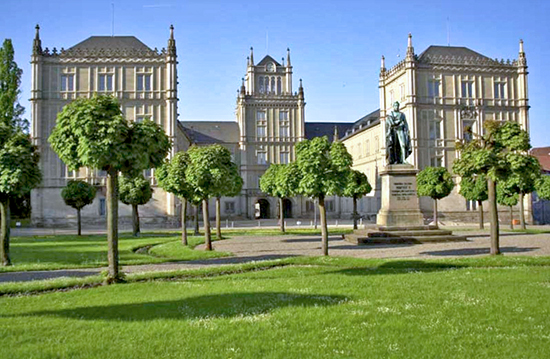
point(303, 308)
point(68, 251)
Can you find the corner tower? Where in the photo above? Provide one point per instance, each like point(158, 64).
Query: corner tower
point(271, 121)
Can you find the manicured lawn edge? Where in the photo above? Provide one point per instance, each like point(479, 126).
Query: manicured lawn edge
point(380, 265)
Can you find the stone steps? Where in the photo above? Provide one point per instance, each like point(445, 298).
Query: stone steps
point(400, 235)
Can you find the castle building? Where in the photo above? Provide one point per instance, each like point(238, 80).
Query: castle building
point(142, 79)
point(443, 91)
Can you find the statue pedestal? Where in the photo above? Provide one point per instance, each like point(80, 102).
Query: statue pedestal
point(400, 206)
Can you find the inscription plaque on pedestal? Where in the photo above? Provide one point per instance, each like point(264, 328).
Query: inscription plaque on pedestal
point(400, 206)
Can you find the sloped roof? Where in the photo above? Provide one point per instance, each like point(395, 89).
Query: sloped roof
point(543, 155)
point(118, 46)
point(446, 54)
point(367, 121)
point(267, 59)
point(111, 42)
point(320, 129)
point(211, 132)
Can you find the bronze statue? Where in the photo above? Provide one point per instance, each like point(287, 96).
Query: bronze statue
point(398, 139)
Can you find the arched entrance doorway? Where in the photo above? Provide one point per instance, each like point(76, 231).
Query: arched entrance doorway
point(261, 209)
point(287, 208)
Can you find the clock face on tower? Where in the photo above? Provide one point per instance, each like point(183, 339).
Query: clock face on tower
point(271, 67)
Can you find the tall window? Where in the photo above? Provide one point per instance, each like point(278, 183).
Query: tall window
point(102, 207)
point(436, 158)
point(261, 124)
point(434, 124)
point(105, 82)
point(391, 97)
point(261, 84)
point(376, 144)
point(262, 157)
point(500, 89)
point(279, 86)
point(272, 84)
point(468, 129)
point(467, 88)
point(367, 147)
point(144, 112)
point(402, 92)
point(284, 158)
point(433, 88)
point(67, 82)
point(143, 79)
point(283, 124)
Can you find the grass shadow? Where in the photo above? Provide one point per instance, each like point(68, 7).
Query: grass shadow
point(226, 305)
point(478, 251)
point(331, 238)
point(401, 266)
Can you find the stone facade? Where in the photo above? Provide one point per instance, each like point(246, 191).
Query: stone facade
point(443, 91)
point(144, 81)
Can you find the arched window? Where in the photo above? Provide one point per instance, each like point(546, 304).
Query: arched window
point(272, 84)
point(261, 81)
point(279, 85)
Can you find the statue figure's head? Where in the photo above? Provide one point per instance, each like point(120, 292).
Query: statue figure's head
point(396, 106)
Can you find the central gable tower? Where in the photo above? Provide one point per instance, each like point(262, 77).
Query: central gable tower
point(270, 118)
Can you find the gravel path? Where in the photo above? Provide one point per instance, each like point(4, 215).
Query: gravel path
point(248, 249)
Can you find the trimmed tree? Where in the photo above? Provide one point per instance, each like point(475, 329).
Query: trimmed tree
point(507, 195)
point(524, 179)
point(134, 191)
point(436, 183)
point(475, 189)
point(357, 186)
point(227, 181)
point(212, 174)
point(171, 177)
point(281, 180)
point(19, 173)
point(324, 169)
point(93, 133)
point(495, 155)
point(19, 170)
point(78, 194)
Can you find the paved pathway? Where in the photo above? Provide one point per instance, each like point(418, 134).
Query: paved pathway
point(248, 249)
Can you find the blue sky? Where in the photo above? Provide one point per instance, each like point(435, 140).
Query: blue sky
point(335, 45)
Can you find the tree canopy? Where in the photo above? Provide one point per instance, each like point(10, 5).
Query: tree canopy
point(11, 111)
point(434, 182)
point(474, 188)
point(543, 187)
point(134, 190)
point(78, 194)
point(93, 133)
point(357, 185)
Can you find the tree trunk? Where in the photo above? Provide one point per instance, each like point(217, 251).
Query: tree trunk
point(480, 209)
point(436, 220)
point(354, 212)
point(5, 231)
point(135, 220)
point(184, 221)
point(511, 217)
point(112, 227)
point(281, 215)
point(324, 231)
point(196, 229)
point(206, 220)
point(521, 212)
point(78, 222)
point(493, 213)
point(218, 219)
